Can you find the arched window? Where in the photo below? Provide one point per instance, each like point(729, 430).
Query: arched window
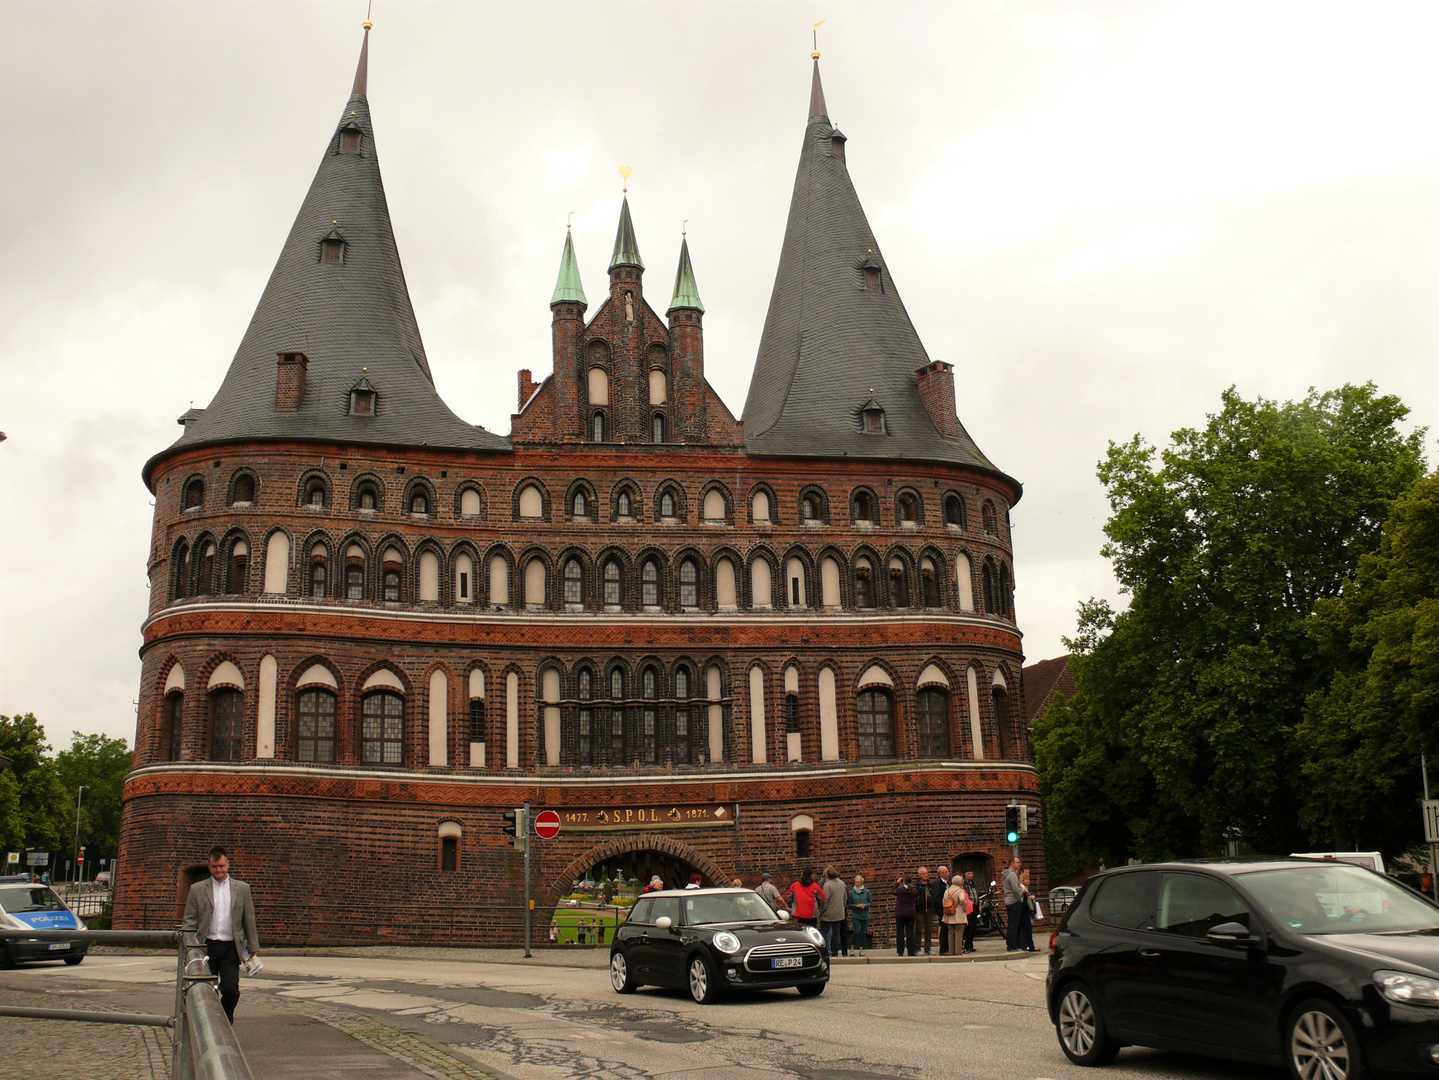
point(382, 729)
point(580, 506)
point(450, 833)
point(574, 582)
point(599, 385)
point(532, 502)
point(1005, 590)
point(469, 503)
point(794, 575)
point(181, 569)
point(464, 579)
point(759, 506)
point(659, 388)
point(726, 592)
point(667, 505)
point(863, 584)
point(623, 506)
point(585, 746)
point(929, 582)
point(657, 428)
point(315, 726)
point(682, 684)
point(931, 710)
point(499, 581)
point(597, 427)
point(617, 684)
point(419, 503)
point(206, 585)
point(863, 506)
point(875, 712)
point(315, 494)
point(684, 747)
point(235, 572)
point(194, 494)
point(761, 584)
point(616, 749)
point(586, 684)
point(614, 592)
point(908, 513)
point(988, 583)
point(714, 505)
point(244, 489)
point(988, 519)
point(1000, 696)
point(354, 576)
point(898, 583)
point(809, 509)
point(391, 582)
point(689, 584)
point(650, 584)
point(175, 709)
point(954, 510)
point(226, 725)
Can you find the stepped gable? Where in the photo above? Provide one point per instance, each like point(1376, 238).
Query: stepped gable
point(352, 320)
point(837, 334)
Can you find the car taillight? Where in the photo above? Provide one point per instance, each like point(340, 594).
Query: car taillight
point(1054, 943)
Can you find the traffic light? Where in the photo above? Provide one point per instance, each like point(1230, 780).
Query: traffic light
point(1011, 823)
point(1024, 819)
point(516, 827)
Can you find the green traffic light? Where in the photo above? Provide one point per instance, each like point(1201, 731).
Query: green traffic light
point(1013, 837)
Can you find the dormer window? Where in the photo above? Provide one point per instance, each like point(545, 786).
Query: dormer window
point(874, 421)
point(350, 140)
point(332, 250)
point(836, 143)
point(871, 277)
point(362, 399)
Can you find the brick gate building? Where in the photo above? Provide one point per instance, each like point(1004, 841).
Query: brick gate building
point(734, 644)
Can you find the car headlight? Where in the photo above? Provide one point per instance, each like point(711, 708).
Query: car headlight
point(726, 942)
point(814, 935)
point(1408, 989)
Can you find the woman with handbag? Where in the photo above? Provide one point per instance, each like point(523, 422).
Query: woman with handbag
point(956, 912)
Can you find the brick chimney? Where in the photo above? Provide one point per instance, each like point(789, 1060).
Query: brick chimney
point(527, 386)
point(290, 381)
point(936, 389)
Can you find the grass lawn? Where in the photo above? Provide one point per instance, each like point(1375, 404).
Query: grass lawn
point(567, 919)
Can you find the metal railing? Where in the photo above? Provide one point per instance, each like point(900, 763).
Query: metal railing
point(205, 1047)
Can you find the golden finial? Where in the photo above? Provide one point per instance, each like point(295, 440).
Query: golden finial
point(625, 176)
point(368, 25)
point(568, 222)
point(683, 227)
point(815, 55)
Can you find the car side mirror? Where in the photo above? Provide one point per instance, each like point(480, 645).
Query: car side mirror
point(782, 915)
point(663, 922)
point(1231, 933)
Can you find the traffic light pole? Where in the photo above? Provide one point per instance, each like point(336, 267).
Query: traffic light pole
point(528, 912)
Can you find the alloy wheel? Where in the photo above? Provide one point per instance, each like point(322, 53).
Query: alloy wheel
point(1319, 1048)
point(1077, 1027)
point(619, 972)
point(699, 979)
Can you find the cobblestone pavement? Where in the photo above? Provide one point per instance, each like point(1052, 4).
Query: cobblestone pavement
point(72, 1051)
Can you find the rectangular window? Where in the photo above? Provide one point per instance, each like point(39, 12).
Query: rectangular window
point(794, 591)
point(464, 585)
point(316, 726)
point(382, 730)
point(477, 719)
point(334, 251)
point(932, 711)
point(876, 724)
point(791, 713)
point(585, 747)
point(350, 142)
point(651, 742)
point(682, 737)
point(177, 714)
point(450, 853)
point(227, 707)
point(617, 736)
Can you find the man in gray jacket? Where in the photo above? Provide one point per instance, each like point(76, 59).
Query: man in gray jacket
point(1013, 903)
point(831, 916)
point(222, 912)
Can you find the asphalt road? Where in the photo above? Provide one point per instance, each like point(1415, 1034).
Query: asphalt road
point(408, 1014)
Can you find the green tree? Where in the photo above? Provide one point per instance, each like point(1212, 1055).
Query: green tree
point(12, 821)
point(1181, 733)
point(42, 798)
point(1364, 733)
point(101, 764)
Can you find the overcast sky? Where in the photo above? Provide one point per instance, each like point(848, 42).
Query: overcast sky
point(1101, 213)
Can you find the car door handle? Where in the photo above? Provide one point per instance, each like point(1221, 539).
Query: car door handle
point(1150, 954)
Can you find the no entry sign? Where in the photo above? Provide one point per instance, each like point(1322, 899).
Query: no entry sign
point(547, 824)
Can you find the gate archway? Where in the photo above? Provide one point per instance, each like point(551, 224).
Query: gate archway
point(641, 857)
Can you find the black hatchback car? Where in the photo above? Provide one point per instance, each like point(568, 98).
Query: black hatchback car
point(711, 941)
point(1327, 968)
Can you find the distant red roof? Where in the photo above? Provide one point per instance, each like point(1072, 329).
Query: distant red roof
point(1043, 682)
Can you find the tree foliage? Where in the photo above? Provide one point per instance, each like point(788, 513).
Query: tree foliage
point(1364, 733)
point(1181, 735)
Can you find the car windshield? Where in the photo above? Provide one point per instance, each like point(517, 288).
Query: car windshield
point(34, 898)
point(727, 908)
point(1339, 899)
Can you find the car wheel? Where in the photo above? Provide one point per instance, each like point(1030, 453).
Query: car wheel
point(1320, 1044)
point(73, 960)
point(620, 974)
point(1081, 1029)
point(812, 989)
point(704, 980)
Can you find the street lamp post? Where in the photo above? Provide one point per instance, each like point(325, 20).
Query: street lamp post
point(78, 796)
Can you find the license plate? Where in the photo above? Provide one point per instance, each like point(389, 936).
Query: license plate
point(59, 945)
point(789, 962)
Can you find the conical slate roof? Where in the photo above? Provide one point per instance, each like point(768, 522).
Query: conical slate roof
point(627, 248)
point(352, 320)
point(687, 293)
point(829, 343)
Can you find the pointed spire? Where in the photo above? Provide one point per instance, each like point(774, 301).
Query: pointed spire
point(816, 94)
point(567, 285)
point(627, 248)
point(687, 294)
point(362, 69)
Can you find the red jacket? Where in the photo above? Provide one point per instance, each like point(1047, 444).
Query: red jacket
point(804, 898)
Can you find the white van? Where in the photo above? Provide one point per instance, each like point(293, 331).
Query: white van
point(1370, 860)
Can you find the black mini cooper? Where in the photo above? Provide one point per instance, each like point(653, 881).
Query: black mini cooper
point(713, 941)
point(1328, 969)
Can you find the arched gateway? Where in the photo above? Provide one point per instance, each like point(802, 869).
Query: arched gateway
point(641, 857)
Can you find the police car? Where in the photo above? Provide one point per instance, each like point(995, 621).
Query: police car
point(26, 905)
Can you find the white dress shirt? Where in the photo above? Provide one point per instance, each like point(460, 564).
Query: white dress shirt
point(220, 923)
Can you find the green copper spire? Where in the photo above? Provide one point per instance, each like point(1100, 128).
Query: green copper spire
point(687, 295)
point(627, 248)
point(567, 285)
